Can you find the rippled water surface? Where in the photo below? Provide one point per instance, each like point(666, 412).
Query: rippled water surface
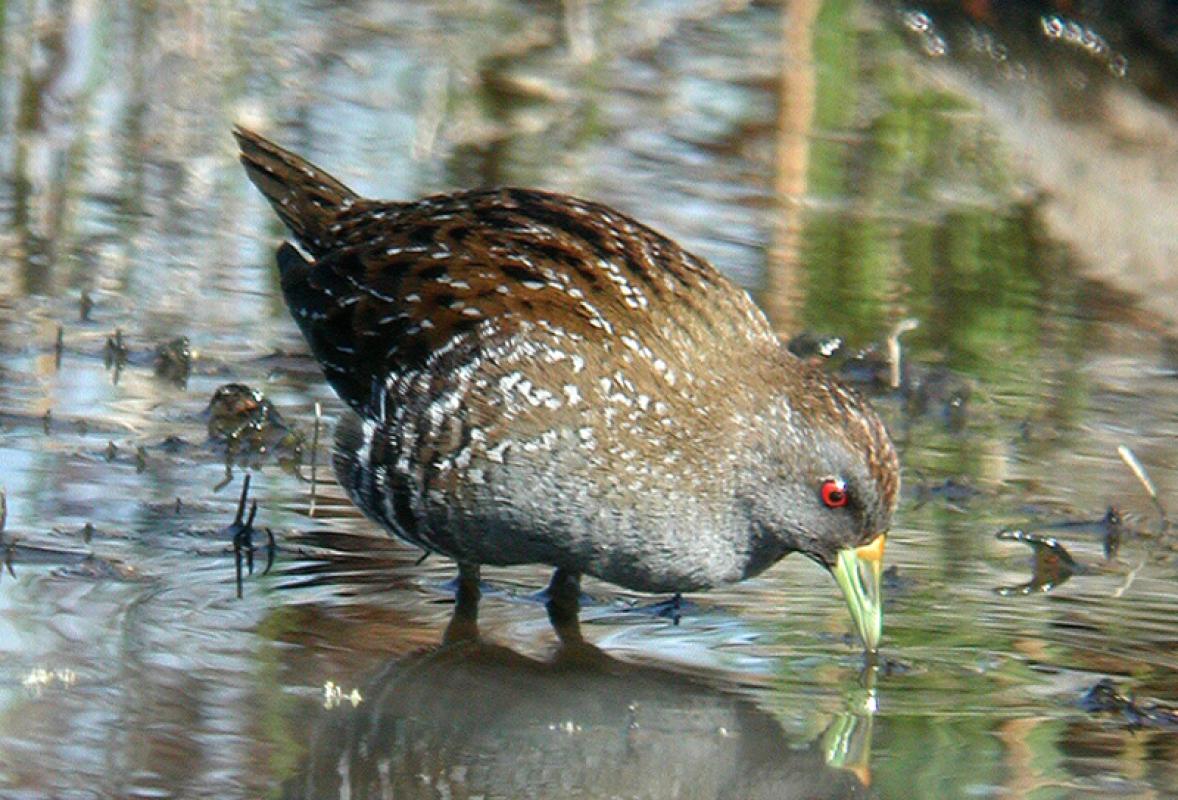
point(1003, 180)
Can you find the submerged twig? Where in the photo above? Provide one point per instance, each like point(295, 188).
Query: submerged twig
point(221, 484)
point(271, 549)
point(902, 327)
point(242, 530)
point(9, 547)
point(315, 456)
point(115, 353)
point(1051, 567)
point(1129, 578)
point(1138, 470)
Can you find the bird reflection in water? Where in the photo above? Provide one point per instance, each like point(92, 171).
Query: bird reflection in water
point(474, 719)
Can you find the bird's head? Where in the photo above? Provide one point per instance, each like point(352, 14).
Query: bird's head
point(830, 480)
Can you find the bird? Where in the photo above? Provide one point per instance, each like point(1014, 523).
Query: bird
point(534, 378)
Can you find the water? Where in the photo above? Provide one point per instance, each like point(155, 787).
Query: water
point(129, 668)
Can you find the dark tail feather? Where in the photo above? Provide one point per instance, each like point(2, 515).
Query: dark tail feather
point(326, 322)
point(304, 196)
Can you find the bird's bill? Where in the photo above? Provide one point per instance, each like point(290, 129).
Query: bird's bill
point(858, 571)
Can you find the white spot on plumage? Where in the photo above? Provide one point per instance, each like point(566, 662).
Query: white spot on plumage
point(507, 382)
point(497, 452)
point(367, 436)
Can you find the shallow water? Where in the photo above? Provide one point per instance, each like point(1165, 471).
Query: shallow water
point(128, 666)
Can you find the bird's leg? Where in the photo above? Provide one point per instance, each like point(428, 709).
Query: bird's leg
point(564, 605)
point(464, 624)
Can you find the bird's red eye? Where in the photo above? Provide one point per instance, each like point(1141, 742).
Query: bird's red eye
point(834, 493)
